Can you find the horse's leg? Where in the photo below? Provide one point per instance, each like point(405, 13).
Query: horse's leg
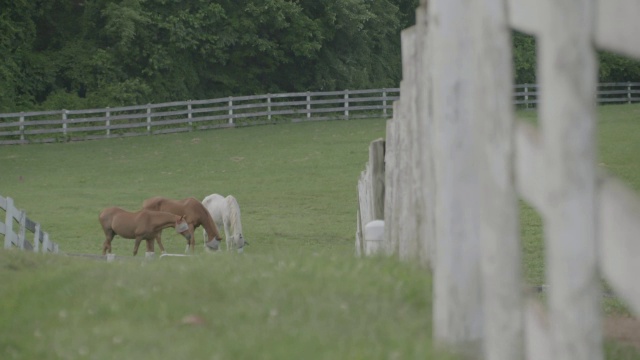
point(136, 246)
point(227, 238)
point(106, 246)
point(192, 239)
point(150, 245)
point(159, 241)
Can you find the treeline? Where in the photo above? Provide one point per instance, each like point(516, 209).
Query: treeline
point(96, 53)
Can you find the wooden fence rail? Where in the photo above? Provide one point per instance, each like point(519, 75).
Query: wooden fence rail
point(181, 116)
point(458, 161)
point(18, 237)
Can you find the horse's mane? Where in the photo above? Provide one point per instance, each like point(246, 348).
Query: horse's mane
point(207, 222)
point(234, 214)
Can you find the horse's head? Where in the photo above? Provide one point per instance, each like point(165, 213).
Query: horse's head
point(240, 241)
point(182, 227)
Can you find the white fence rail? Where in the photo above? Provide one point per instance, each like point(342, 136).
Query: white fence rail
point(458, 161)
point(15, 217)
point(181, 116)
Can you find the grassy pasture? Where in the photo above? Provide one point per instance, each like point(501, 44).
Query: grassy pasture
point(296, 292)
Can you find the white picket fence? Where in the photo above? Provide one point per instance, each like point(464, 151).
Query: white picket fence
point(458, 160)
point(18, 237)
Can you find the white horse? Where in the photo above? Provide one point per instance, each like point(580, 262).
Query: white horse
point(226, 214)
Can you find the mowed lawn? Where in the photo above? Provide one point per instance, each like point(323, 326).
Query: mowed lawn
point(297, 291)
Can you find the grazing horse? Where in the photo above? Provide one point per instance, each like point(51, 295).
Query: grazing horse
point(141, 225)
point(196, 215)
point(226, 213)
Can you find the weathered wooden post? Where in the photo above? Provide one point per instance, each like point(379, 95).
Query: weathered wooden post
point(502, 294)
point(21, 125)
point(230, 104)
point(458, 318)
point(149, 118)
point(64, 123)
point(376, 162)
point(391, 170)
point(409, 185)
point(568, 79)
point(384, 103)
point(190, 115)
point(346, 104)
point(108, 121)
point(425, 195)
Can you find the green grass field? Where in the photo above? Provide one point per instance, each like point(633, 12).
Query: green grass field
point(296, 292)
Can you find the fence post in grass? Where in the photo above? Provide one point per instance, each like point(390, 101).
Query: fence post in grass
point(46, 244)
point(346, 104)
point(230, 110)
point(9, 235)
point(148, 118)
point(190, 115)
point(64, 122)
point(269, 107)
point(108, 121)
point(376, 161)
point(457, 305)
point(526, 97)
point(570, 186)
point(36, 238)
point(308, 104)
point(22, 230)
point(628, 92)
point(384, 102)
point(22, 125)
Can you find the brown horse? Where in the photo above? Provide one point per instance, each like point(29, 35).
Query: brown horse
point(196, 215)
point(141, 225)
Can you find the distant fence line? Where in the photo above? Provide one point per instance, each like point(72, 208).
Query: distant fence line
point(18, 238)
point(181, 116)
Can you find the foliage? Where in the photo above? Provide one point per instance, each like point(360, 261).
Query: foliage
point(612, 67)
point(110, 52)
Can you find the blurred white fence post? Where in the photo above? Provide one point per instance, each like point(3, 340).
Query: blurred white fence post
point(149, 118)
point(346, 104)
point(458, 318)
point(371, 188)
point(108, 121)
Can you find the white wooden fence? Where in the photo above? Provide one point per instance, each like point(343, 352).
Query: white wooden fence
point(18, 237)
point(180, 116)
point(458, 161)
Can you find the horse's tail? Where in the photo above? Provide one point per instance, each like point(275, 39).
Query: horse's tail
point(234, 214)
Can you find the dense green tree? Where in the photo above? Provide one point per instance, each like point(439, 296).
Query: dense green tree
point(96, 53)
point(113, 52)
